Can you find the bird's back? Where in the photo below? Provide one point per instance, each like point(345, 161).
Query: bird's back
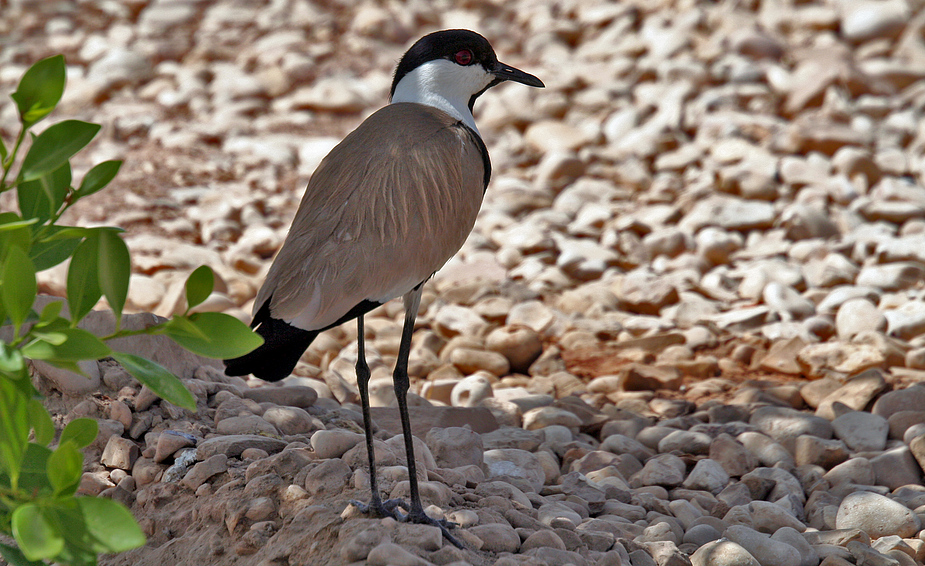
point(384, 210)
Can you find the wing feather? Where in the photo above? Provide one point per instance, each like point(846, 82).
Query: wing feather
point(384, 210)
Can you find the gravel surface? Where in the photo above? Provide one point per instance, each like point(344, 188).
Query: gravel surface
point(687, 328)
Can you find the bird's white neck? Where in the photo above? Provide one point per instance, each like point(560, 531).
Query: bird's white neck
point(444, 85)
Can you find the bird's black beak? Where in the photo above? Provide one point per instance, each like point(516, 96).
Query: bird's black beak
point(507, 73)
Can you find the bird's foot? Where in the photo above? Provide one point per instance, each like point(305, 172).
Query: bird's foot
point(389, 508)
point(380, 508)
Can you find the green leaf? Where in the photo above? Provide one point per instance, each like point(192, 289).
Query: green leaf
point(12, 221)
point(111, 524)
point(226, 336)
point(81, 432)
point(40, 89)
point(3, 151)
point(115, 269)
point(181, 325)
point(83, 287)
point(11, 360)
point(42, 198)
point(16, 558)
point(79, 345)
point(98, 177)
point(14, 422)
point(51, 251)
point(36, 536)
point(165, 384)
point(41, 423)
point(53, 147)
point(51, 311)
point(33, 476)
point(65, 467)
point(199, 285)
point(18, 288)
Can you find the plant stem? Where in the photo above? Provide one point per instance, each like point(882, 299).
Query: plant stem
point(8, 164)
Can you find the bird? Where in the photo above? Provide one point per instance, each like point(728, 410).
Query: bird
point(383, 211)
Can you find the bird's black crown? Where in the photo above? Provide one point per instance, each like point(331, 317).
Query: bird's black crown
point(445, 44)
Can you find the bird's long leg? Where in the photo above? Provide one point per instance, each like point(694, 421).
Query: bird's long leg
point(402, 384)
point(375, 504)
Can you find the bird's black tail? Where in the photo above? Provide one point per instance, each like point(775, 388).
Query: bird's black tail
point(276, 358)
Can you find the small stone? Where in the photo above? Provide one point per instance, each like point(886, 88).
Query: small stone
point(334, 443)
point(863, 21)
point(862, 431)
point(896, 468)
point(722, 553)
point(120, 453)
point(290, 420)
point(791, 536)
point(542, 539)
point(511, 462)
point(542, 417)
point(519, 344)
point(232, 446)
point(767, 551)
point(391, 554)
point(246, 425)
point(471, 391)
point(857, 315)
point(455, 447)
point(202, 471)
point(785, 424)
point(665, 470)
point(876, 515)
point(168, 443)
point(497, 537)
point(707, 475)
point(734, 458)
point(284, 396)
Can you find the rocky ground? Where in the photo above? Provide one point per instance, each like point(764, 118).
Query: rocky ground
point(687, 328)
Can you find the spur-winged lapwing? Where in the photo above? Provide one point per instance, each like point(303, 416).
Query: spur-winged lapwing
point(383, 211)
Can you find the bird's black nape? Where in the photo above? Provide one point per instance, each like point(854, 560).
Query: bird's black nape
point(444, 45)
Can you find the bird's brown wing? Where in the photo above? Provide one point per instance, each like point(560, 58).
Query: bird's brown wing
point(384, 210)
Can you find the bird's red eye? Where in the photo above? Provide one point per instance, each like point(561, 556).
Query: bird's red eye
point(464, 57)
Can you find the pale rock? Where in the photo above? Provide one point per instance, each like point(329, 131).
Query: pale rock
point(907, 321)
point(120, 453)
point(862, 431)
point(515, 463)
point(454, 320)
point(472, 390)
point(707, 475)
point(532, 314)
point(866, 20)
point(454, 447)
point(722, 553)
point(787, 302)
point(876, 515)
point(856, 471)
point(665, 470)
point(470, 360)
point(542, 417)
point(857, 315)
point(785, 424)
point(762, 547)
point(521, 345)
point(202, 471)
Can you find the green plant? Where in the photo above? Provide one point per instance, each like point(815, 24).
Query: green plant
point(38, 477)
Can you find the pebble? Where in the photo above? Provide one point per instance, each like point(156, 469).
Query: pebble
point(723, 553)
point(767, 551)
point(876, 515)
